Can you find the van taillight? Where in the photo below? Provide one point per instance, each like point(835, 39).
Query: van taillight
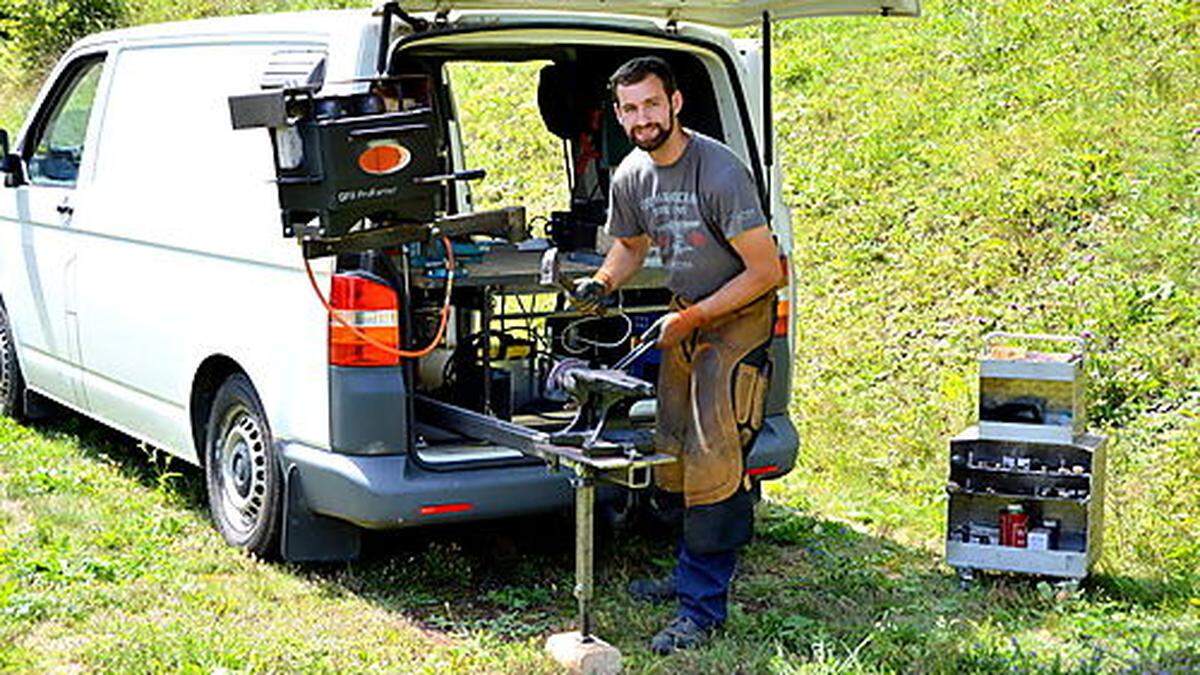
point(783, 309)
point(372, 308)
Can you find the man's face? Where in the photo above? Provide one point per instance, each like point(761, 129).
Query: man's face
point(646, 112)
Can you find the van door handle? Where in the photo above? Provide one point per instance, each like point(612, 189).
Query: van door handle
point(65, 209)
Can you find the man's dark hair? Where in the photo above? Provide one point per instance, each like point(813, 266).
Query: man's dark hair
point(636, 70)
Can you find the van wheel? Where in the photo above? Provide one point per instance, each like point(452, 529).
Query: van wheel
point(12, 385)
point(241, 470)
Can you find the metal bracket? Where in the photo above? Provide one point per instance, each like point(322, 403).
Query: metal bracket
point(390, 9)
point(632, 477)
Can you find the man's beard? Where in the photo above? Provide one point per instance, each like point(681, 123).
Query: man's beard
point(655, 142)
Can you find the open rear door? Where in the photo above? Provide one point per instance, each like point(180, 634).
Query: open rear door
point(724, 13)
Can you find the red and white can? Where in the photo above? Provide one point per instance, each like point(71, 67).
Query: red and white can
point(1014, 526)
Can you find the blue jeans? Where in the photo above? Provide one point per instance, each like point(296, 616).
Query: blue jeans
point(702, 584)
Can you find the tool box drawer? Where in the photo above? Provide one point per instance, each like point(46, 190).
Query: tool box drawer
point(1018, 506)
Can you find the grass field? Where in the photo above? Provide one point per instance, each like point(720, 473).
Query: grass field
point(1013, 165)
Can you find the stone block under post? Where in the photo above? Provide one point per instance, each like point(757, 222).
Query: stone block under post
point(593, 657)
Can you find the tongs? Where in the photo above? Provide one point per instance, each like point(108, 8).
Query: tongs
point(647, 340)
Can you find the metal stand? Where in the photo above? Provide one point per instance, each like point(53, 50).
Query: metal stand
point(582, 651)
point(585, 502)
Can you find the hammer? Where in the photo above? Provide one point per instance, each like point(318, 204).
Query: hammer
point(551, 274)
point(550, 271)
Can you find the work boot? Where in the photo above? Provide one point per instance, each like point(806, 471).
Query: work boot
point(681, 633)
point(654, 591)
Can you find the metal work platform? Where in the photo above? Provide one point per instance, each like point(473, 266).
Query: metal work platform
point(517, 271)
point(626, 467)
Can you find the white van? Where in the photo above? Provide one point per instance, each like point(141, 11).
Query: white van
point(145, 281)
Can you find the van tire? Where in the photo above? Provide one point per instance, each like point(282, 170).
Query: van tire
point(241, 471)
point(12, 384)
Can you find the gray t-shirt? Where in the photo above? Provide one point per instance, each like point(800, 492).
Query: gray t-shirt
point(662, 202)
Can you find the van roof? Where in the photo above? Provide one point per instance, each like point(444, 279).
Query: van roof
point(351, 34)
point(348, 23)
point(317, 22)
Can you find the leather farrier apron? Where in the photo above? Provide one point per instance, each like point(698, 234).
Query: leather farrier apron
point(712, 388)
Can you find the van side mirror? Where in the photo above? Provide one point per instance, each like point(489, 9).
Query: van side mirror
point(10, 164)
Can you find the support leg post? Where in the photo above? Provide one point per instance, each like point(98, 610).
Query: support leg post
point(582, 653)
point(585, 501)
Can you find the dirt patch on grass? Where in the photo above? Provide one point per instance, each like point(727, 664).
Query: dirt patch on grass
point(14, 519)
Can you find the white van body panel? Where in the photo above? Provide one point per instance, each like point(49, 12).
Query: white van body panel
point(38, 263)
point(186, 261)
point(182, 261)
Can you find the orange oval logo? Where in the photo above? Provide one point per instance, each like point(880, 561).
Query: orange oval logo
point(383, 158)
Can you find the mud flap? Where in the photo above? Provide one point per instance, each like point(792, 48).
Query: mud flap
point(36, 407)
point(309, 537)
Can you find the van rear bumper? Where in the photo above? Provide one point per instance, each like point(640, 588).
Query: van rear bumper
point(774, 452)
point(383, 492)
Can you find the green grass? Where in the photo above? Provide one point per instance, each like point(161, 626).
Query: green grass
point(1012, 165)
point(107, 562)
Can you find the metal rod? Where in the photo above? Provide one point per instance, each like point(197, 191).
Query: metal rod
point(585, 500)
point(478, 425)
point(768, 131)
point(385, 38)
point(486, 318)
point(648, 339)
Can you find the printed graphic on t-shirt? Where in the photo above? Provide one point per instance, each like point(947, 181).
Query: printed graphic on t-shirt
point(676, 227)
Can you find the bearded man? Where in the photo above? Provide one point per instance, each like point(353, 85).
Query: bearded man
point(693, 198)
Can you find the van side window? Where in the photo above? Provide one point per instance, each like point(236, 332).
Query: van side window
point(59, 147)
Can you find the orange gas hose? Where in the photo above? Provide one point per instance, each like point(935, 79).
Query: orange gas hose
point(404, 354)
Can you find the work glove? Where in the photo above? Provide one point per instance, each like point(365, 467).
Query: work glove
point(588, 296)
point(679, 325)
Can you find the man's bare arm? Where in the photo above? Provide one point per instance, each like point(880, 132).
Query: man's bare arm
point(760, 256)
point(624, 259)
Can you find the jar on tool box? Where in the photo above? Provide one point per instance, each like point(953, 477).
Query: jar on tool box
point(1014, 526)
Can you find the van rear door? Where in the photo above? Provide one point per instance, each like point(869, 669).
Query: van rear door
point(724, 13)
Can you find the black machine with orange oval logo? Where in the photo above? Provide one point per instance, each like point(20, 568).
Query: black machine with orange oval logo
point(345, 163)
point(352, 163)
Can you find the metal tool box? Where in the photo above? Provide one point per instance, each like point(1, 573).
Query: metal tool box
point(1054, 478)
point(1028, 395)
